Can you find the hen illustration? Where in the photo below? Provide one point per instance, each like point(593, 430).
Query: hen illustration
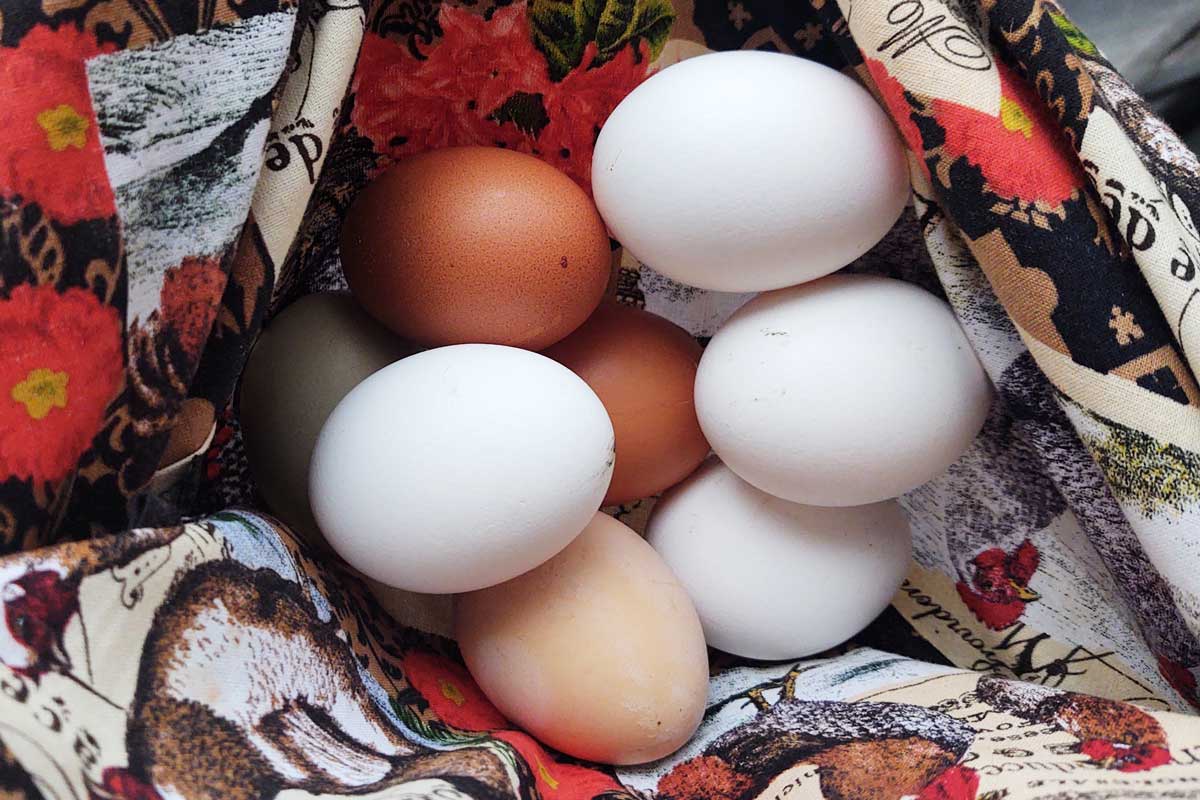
point(861, 751)
point(998, 587)
point(988, 508)
point(243, 692)
point(1112, 735)
point(40, 597)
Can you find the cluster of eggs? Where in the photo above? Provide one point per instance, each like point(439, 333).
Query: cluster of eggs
point(461, 436)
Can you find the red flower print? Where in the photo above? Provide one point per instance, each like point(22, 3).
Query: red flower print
point(190, 297)
point(451, 692)
point(485, 83)
point(891, 91)
point(406, 106)
point(51, 153)
point(580, 105)
point(60, 364)
point(1022, 152)
point(455, 697)
point(557, 781)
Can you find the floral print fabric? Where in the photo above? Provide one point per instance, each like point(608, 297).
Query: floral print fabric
point(144, 242)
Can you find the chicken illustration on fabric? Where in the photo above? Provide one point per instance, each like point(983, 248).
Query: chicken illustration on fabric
point(1112, 735)
point(855, 751)
point(998, 590)
point(995, 501)
point(40, 598)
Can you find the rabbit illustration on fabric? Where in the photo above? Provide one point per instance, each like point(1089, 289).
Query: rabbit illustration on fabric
point(273, 699)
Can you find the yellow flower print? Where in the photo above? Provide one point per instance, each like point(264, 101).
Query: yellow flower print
point(451, 692)
point(64, 126)
point(1014, 117)
point(546, 776)
point(42, 390)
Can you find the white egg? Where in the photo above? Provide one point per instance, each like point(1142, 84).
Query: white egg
point(746, 170)
point(460, 467)
point(772, 579)
point(844, 391)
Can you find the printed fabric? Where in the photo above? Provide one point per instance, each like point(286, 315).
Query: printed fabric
point(173, 174)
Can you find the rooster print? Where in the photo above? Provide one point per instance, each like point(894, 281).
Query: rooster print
point(854, 751)
point(1113, 735)
point(996, 500)
point(998, 588)
point(39, 598)
point(272, 699)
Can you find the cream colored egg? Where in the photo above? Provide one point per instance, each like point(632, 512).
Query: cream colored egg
point(598, 652)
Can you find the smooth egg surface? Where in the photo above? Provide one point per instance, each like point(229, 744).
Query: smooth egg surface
point(643, 368)
point(460, 467)
point(746, 170)
point(773, 579)
point(598, 652)
point(843, 391)
point(476, 244)
point(306, 360)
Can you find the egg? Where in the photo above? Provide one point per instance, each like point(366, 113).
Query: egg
point(476, 244)
point(598, 652)
point(306, 360)
point(643, 368)
point(773, 579)
point(843, 391)
point(460, 467)
point(432, 613)
point(748, 170)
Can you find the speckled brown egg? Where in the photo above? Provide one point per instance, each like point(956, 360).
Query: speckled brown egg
point(476, 244)
point(643, 368)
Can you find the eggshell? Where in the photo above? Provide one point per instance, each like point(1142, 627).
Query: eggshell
point(476, 244)
point(460, 467)
point(747, 170)
point(844, 391)
point(773, 579)
point(598, 652)
point(306, 360)
point(643, 368)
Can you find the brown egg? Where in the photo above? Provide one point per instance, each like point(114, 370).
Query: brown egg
point(598, 652)
point(643, 368)
point(476, 244)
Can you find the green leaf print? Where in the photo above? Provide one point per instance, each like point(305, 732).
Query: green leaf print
point(526, 111)
point(433, 730)
point(1075, 36)
point(654, 21)
point(562, 29)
